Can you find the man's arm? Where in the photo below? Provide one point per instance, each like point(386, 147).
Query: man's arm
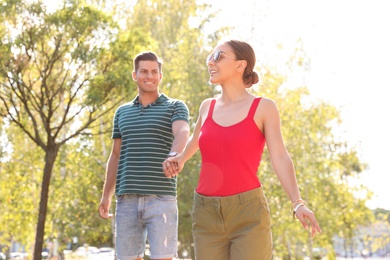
point(181, 132)
point(109, 183)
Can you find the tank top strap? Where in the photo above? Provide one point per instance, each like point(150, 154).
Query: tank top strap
point(211, 109)
point(253, 108)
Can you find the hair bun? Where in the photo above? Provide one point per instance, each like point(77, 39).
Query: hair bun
point(251, 78)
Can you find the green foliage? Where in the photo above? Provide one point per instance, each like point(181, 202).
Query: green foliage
point(20, 180)
point(382, 215)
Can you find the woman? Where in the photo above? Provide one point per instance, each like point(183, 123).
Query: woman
point(231, 218)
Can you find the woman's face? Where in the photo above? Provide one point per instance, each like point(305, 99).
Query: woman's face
point(221, 64)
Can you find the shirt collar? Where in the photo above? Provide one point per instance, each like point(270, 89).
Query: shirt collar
point(161, 99)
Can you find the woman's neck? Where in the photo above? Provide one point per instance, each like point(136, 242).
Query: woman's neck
point(232, 95)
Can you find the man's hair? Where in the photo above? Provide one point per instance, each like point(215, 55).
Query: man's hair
point(149, 56)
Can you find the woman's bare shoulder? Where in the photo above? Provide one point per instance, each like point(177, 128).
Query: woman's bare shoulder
point(267, 108)
point(267, 102)
point(205, 104)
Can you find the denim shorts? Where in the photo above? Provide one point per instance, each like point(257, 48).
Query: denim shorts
point(140, 217)
point(234, 227)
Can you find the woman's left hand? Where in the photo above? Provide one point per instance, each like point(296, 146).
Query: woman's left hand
point(307, 218)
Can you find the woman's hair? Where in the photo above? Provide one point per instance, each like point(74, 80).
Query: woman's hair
point(243, 51)
point(148, 56)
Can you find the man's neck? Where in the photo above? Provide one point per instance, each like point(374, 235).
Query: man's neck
point(148, 98)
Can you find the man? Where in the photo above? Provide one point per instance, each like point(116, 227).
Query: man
point(146, 131)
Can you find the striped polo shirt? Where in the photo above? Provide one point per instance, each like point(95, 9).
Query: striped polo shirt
point(146, 134)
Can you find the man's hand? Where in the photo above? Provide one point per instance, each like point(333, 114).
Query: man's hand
point(104, 209)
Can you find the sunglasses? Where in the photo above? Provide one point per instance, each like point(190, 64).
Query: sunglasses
point(217, 56)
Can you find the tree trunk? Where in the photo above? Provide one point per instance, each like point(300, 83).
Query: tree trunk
point(50, 157)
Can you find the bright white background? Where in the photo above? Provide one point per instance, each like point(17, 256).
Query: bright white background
point(348, 46)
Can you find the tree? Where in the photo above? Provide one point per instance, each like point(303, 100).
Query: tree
point(382, 214)
point(59, 73)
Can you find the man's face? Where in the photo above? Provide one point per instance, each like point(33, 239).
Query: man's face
point(148, 76)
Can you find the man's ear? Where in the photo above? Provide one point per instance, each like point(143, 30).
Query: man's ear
point(134, 75)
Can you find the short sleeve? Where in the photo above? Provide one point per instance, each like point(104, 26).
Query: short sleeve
point(180, 112)
point(115, 129)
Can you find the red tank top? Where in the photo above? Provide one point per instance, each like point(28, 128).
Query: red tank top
point(230, 155)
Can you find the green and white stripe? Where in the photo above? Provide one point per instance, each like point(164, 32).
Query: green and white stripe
point(146, 134)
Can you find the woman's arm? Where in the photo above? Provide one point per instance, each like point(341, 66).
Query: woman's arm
point(283, 165)
point(173, 165)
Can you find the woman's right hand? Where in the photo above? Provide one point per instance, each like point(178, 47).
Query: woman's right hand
point(172, 166)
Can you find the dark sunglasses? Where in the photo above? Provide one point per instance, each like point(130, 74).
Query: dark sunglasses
point(217, 56)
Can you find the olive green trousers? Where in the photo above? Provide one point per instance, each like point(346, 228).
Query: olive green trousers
point(235, 227)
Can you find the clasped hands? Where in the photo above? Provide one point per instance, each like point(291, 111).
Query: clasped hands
point(172, 167)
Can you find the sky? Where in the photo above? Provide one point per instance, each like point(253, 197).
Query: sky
point(347, 43)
